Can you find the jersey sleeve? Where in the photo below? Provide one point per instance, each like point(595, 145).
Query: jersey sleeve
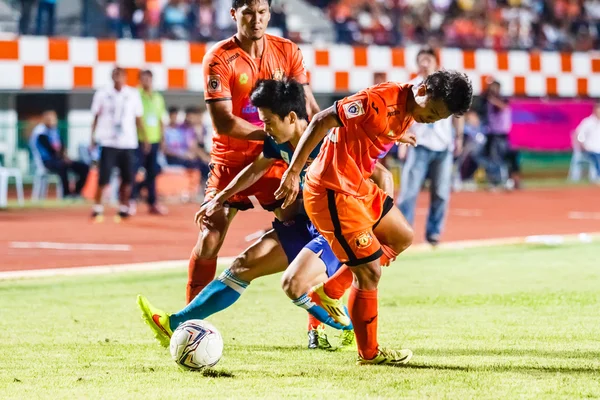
point(216, 78)
point(368, 111)
point(270, 149)
point(297, 66)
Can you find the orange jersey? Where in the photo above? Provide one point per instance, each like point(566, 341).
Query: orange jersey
point(230, 74)
point(372, 121)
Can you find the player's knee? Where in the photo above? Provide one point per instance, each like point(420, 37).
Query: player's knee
point(208, 243)
point(367, 275)
point(242, 269)
point(292, 286)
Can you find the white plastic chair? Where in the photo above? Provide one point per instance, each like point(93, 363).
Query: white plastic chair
point(5, 174)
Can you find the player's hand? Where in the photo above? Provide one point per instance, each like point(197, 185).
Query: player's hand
point(209, 208)
point(408, 138)
point(289, 188)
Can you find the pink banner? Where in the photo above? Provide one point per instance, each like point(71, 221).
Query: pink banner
point(546, 125)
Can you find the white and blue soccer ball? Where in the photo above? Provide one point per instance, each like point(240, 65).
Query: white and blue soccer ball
point(196, 344)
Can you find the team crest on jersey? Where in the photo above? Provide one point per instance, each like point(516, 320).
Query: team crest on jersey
point(214, 84)
point(364, 240)
point(278, 74)
point(244, 78)
point(353, 109)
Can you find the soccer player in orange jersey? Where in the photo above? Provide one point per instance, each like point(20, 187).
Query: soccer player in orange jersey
point(231, 69)
point(360, 222)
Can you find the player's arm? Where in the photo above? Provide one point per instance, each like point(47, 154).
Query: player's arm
point(96, 108)
point(218, 96)
point(459, 128)
point(383, 178)
point(221, 112)
point(246, 178)
point(298, 73)
point(312, 108)
point(314, 134)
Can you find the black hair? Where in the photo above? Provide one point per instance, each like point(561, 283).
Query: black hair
point(172, 110)
point(281, 97)
point(453, 87)
point(427, 50)
point(235, 4)
point(192, 110)
point(146, 72)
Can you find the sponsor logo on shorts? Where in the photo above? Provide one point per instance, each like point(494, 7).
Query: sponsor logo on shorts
point(364, 240)
point(214, 84)
point(353, 109)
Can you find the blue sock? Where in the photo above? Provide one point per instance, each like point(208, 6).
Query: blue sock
point(216, 296)
point(319, 312)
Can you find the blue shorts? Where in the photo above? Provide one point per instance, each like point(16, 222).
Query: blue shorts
point(300, 233)
point(320, 245)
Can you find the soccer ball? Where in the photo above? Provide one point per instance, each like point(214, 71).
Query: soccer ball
point(196, 344)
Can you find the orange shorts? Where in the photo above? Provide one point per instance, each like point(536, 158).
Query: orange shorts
point(264, 190)
point(347, 222)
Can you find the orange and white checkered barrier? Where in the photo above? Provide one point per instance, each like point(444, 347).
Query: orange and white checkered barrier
point(84, 63)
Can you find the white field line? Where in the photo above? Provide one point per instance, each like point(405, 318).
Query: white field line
point(584, 215)
point(70, 246)
point(181, 264)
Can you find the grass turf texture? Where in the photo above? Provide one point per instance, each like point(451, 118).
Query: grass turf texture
point(504, 322)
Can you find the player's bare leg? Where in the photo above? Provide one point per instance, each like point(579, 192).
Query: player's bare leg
point(304, 272)
point(98, 208)
point(203, 260)
point(395, 235)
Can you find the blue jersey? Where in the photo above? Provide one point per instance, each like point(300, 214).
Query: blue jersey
point(285, 151)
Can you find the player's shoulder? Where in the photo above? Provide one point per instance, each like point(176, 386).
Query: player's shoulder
point(390, 92)
point(220, 49)
point(281, 43)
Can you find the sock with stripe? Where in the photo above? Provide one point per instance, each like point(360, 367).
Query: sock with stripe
point(318, 312)
point(201, 271)
point(338, 283)
point(216, 296)
point(362, 305)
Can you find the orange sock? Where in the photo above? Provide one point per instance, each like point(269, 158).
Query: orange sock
point(201, 272)
point(388, 256)
point(338, 283)
point(362, 307)
point(313, 323)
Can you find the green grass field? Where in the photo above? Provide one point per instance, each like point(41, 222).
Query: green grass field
point(504, 322)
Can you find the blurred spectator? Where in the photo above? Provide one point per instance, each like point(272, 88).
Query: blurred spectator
point(202, 20)
point(278, 20)
point(52, 152)
point(181, 145)
point(24, 21)
point(117, 111)
point(474, 140)
point(154, 111)
point(499, 123)
point(131, 17)
point(176, 20)
point(431, 158)
point(588, 134)
point(44, 24)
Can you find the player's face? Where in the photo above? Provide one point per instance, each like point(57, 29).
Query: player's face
point(427, 64)
point(173, 118)
point(281, 130)
point(252, 19)
point(428, 110)
point(50, 119)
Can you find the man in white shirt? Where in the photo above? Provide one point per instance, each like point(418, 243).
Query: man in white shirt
point(588, 134)
point(432, 157)
point(117, 111)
